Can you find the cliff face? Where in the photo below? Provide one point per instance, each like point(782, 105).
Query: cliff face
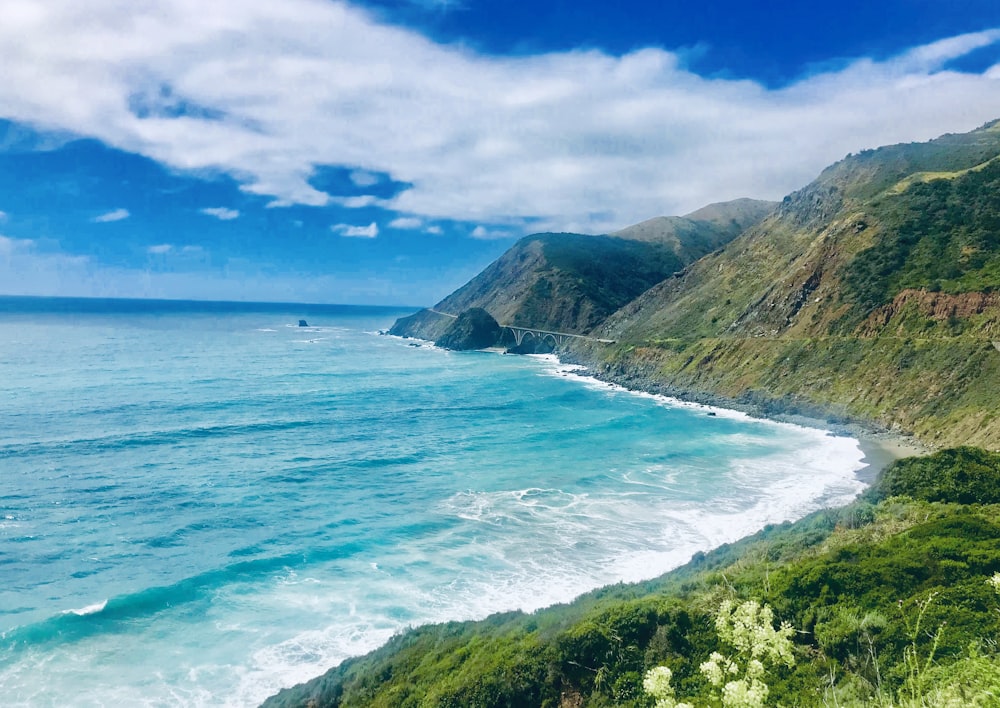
point(871, 293)
point(572, 282)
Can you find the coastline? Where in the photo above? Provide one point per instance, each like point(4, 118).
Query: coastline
point(882, 449)
point(880, 446)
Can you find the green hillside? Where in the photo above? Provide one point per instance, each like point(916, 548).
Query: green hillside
point(871, 294)
point(851, 581)
point(571, 282)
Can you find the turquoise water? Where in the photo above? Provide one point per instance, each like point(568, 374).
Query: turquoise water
point(200, 504)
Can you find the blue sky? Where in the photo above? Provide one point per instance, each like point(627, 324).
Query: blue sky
point(385, 152)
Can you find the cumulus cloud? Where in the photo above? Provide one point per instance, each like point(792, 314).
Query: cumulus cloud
point(116, 215)
point(406, 222)
point(579, 140)
point(160, 249)
point(221, 213)
point(434, 230)
point(370, 231)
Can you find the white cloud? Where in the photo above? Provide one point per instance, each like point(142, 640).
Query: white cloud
point(10, 246)
point(160, 249)
point(116, 215)
point(27, 270)
point(435, 230)
point(3, 216)
point(363, 179)
point(221, 213)
point(481, 232)
point(370, 231)
point(575, 140)
point(365, 200)
point(406, 222)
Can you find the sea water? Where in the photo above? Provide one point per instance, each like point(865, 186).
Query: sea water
point(203, 503)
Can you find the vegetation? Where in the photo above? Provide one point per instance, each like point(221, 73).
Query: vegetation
point(872, 294)
point(967, 475)
point(942, 235)
point(569, 282)
point(893, 599)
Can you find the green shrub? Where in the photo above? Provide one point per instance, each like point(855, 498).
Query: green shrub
point(966, 475)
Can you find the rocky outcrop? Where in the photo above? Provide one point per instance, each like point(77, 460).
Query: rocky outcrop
point(473, 329)
point(936, 306)
point(425, 324)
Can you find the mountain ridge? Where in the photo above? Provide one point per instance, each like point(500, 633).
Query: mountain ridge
point(572, 282)
point(868, 295)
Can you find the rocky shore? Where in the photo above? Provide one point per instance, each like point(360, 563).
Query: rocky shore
point(880, 444)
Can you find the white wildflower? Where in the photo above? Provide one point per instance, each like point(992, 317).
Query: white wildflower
point(657, 684)
point(995, 582)
point(744, 694)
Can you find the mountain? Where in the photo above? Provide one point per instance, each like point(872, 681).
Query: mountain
point(572, 282)
point(873, 293)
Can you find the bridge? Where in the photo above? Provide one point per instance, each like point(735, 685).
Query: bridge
point(558, 339)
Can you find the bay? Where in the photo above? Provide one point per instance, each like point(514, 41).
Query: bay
point(201, 503)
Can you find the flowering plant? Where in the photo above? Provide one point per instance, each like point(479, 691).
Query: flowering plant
point(748, 628)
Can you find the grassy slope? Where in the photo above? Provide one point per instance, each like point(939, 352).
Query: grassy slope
point(825, 574)
point(572, 282)
point(873, 293)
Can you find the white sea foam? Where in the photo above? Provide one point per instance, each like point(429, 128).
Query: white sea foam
point(88, 610)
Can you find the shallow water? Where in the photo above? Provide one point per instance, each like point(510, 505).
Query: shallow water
point(200, 504)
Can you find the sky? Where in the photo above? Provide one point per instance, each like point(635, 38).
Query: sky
point(384, 152)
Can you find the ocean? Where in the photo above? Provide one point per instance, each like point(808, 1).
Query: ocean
point(202, 503)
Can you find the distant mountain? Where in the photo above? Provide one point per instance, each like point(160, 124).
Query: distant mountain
point(702, 231)
point(873, 292)
point(571, 282)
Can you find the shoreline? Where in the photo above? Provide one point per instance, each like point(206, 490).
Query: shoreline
point(882, 449)
point(880, 446)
